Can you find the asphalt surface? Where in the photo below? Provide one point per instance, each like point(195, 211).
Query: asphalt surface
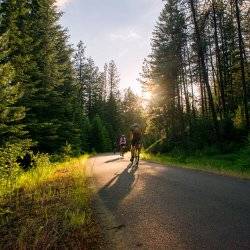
point(159, 207)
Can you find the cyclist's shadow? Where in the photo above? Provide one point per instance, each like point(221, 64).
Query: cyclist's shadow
point(118, 187)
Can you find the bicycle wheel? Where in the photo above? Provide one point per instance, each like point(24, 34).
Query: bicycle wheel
point(122, 151)
point(137, 156)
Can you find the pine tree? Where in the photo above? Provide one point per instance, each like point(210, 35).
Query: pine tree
point(166, 62)
point(100, 141)
point(12, 132)
point(242, 65)
point(86, 135)
point(11, 114)
point(104, 82)
point(132, 111)
point(113, 79)
point(80, 64)
point(45, 70)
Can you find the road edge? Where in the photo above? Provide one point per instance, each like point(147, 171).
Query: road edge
point(228, 174)
point(113, 236)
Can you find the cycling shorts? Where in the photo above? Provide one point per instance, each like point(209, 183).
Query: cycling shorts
point(136, 142)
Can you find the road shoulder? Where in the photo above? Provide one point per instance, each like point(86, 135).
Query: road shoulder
point(112, 233)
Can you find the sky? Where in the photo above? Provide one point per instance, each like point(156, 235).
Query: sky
point(113, 29)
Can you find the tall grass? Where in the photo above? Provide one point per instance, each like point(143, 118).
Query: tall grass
point(48, 207)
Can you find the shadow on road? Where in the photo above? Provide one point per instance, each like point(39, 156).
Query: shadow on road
point(116, 159)
point(118, 187)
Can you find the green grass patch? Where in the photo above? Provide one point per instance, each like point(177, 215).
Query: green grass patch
point(236, 163)
point(48, 208)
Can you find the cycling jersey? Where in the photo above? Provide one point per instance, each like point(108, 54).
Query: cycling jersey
point(136, 133)
point(123, 140)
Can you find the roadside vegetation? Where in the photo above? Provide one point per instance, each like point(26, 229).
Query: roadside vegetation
point(235, 162)
point(48, 207)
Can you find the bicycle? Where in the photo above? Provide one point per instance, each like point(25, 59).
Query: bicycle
point(122, 150)
point(137, 150)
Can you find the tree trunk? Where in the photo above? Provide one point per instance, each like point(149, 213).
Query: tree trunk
point(192, 83)
point(242, 65)
point(218, 57)
point(203, 67)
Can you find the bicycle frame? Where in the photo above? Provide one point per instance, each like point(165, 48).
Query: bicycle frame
point(122, 150)
point(137, 151)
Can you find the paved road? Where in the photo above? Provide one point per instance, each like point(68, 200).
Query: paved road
point(158, 207)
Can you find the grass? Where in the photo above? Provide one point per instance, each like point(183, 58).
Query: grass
point(48, 208)
point(235, 164)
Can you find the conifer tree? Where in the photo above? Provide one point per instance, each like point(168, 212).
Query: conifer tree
point(99, 140)
point(11, 115)
point(13, 143)
point(112, 109)
point(132, 111)
point(42, 61)
point(113, 79)
point(166, 62)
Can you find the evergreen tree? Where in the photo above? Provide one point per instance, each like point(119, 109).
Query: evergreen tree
point(104, 82)
point(80, 74)
point(11, 115)
point(166, 63)
point(132, 111)
point(12, 132)
point(113, 79)
point(99, 140)
point(42, 60)
point(86, 135)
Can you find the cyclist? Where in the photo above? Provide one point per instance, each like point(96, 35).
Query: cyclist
point(136, 140)
point(122, 144)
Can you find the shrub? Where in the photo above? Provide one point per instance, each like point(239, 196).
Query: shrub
point(8, 157)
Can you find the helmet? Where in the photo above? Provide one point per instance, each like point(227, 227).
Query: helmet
point(135, 125)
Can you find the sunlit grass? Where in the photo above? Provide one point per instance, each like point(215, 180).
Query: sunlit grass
point(49, 207)
point(233, 164)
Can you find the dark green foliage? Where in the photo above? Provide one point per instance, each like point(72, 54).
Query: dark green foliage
point(112, 117)
point(9, 153)
point(11, 115)
point(39, 97)
point(52, 83)
point(41, 58)
point(100, 141)
point(100, 101)
point(85, 135)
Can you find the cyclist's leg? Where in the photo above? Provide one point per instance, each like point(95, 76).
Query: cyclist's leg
point(122, 150)
point(138, 151)
point(132, 153)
